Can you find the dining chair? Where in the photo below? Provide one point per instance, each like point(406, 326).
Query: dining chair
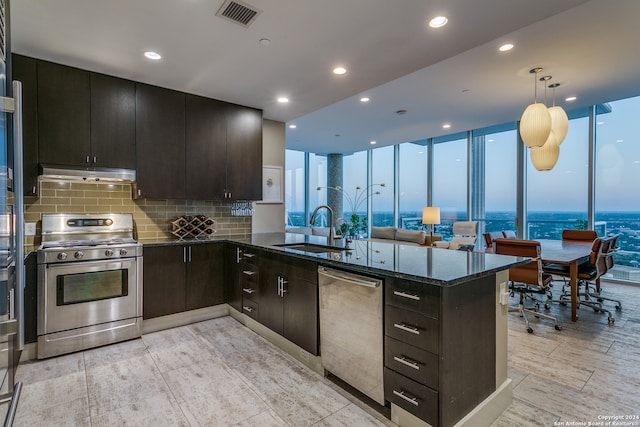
point(528, 279)
point(509, 234)
point(580, 235)
point(590, 272)
point(489, 236)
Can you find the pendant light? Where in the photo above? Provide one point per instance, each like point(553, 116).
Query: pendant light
point(535, 123)
point(559, 119)
point(545, 158)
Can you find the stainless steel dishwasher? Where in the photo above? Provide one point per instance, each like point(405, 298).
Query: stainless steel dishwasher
point(351, 329)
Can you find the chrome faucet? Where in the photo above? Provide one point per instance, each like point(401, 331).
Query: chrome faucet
point(313, 220)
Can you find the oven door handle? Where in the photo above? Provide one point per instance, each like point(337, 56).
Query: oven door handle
point(91, 266)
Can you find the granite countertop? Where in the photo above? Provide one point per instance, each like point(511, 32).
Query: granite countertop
point(441, 267)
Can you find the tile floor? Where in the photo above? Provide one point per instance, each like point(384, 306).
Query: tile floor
point(220, 373)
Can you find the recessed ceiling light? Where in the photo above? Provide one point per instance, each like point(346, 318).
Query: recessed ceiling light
point(283, 100)
point(600, 123)
point(339, 70)
point(619, 140)
point(446, 126)
point(265, 42)
point(505, 47)
point(438, 21)
point(372, 143)
point(490, 140)
point(571, 98)
point(364, 99)
point(292, 126)
point(152, 55)
point(636, 161)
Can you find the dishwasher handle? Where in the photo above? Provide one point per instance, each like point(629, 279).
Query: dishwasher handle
point(338, 275)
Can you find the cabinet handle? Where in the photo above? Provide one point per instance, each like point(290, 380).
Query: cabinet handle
point(407, 328)
point(87, 159)
point(238, 254)
point(283, 282)
point(249, 255)
point(139, 192)
point(406, 295)
point(189, 253)
point(230, 194)
point(95, 159)
point(33, 190)
point(248, 272)
point(404, 395)
point(184, 254)
point(248, 290)
point(407, 362)
point(247, 309)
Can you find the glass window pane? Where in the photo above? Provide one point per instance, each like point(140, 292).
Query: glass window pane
point(617, 173)
point(355, 192)
point(557, 199)
point(450, 184)
point(294, 190)
point(382, 171)
point(318, 179)
point(413, 184)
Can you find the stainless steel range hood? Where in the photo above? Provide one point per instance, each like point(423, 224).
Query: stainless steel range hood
point(94, 174)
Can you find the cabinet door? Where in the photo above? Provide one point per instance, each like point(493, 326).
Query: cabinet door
point(205, 272)
point(24, 70)
point(232, 288)
point(113, 125)
point(300, 322)
point(206, 148)
point(271, 303)
point(244, 153)
point(63, 115)
point(164, 281)
point(160, 147)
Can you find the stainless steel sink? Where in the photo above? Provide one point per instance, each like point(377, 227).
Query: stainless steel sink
point(307, 247)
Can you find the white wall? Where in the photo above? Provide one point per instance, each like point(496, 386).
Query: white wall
point(270, 217)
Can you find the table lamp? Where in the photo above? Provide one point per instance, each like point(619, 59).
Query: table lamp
point(431, 216)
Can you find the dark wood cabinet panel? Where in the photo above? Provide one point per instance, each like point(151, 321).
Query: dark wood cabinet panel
point(25, 70)
point(30, 299)
point(300, 323)
point(244, 153)
point(205, 272)
point(63, 115)
point(160, 142)
point(205, 148)
point(113, 125)
point(164, 281)
point(232, 287)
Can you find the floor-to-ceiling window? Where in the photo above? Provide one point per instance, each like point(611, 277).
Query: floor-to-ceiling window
point(317, 190)
point(558, 199)
point(294, 187)
point(355, 192)
point(412, 177)
point(450, 183)
point(382, 172)
point(617, 174)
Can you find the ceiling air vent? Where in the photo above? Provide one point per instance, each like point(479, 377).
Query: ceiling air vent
point(239, 12)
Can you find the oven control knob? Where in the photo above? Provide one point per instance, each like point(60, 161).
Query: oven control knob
point(62, 256)
point(108, 252)
point(78, 254)
point(123, 252)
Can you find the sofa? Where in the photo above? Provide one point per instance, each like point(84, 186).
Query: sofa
point(400, 235)
point(315, 231)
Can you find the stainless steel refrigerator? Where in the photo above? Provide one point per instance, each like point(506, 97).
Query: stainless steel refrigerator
point(11, 223)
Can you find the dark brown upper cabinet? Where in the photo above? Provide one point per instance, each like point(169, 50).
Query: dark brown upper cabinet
point(63, 115)
point(244, 153)
point(113, 123)
point(160, 142)
point(25, 70)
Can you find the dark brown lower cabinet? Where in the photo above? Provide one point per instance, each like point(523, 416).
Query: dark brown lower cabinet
point(182, 277)
point(289, 299)
point(232, 287)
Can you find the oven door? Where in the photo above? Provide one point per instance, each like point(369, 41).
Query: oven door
point(74, 295)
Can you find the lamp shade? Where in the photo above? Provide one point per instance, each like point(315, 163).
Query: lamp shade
point(535, 125)
point(559, 123)
point(431, 215)
point(545, 158)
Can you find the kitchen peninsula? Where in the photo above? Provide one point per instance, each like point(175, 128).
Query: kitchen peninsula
point(445, 330)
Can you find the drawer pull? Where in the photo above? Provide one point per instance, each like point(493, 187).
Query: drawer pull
point(403, 395)
point(249, 290)
point(248, 272)
point(406, 295)
point(249, 255)
point(407, 328)
point(407, 362)
point(247, 309)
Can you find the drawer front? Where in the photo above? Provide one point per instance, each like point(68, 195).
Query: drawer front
point(249, 280)
point(412, 362)
point(249, 256)
point(250, 308)
point(412, 328)
point(415, 296)
point(411, 396)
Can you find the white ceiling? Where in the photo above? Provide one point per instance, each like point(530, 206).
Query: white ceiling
point(454, 74)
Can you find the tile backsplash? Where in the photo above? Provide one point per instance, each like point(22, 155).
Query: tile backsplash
point(152, 217)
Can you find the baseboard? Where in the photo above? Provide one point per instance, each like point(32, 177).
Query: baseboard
point(185, 318)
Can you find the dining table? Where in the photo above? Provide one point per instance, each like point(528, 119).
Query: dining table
point(571, 253)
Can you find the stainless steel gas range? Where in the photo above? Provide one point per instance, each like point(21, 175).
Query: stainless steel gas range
point(89, 282)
